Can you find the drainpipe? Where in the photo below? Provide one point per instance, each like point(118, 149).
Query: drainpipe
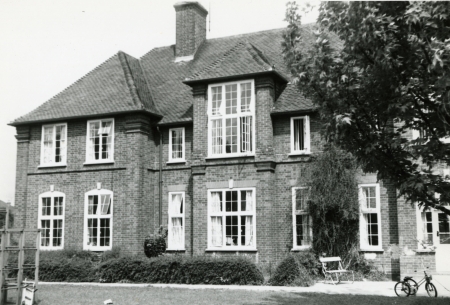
point(160, 176)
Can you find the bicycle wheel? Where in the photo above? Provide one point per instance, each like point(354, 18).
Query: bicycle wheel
point(431, 290)
point(402, 289)
point(413, 285)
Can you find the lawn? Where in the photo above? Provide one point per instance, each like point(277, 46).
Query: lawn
point(67, 294)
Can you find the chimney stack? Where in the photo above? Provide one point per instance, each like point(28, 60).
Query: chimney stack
point(190, 29)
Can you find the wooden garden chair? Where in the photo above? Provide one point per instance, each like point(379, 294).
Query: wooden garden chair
point(332, 266)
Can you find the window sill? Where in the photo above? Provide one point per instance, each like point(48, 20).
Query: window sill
point(228, 157)
point(98, 249)
point(299, 154)
point(52, 165)
point(303, 248)
point(234, 249)
point(425, 250)
point(175, 250)
point(51, 248)
point(176, 162)
point(98, 162)
point(371, 250)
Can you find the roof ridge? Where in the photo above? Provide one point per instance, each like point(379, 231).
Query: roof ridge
point(123, 58)
point(66, 88)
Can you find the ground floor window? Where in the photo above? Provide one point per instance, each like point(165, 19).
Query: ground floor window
point(98, 220)
point(176, 221)
point(370, 217)
point(302, 229)
point(51, 220)
point(231, 218)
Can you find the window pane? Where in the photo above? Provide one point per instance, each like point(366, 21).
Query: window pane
point(246, 134)
point(216, 136)
point(299, 135)
point(245, 97)
point(48, 144)
point(369, 194)
point(231, 135)
point(216, 100)
point(231, 99)
point(372, 228)
point(444, 229)
point(106, 204)
point(60, 144)
point(45, 233)
point(177, 143)
point(301, 199)
point(46, 206)
point(231, 201)
point(92, 231)
point(216, 231)
point(246, 230)
point(105, 232)
point(176, 237)
point(57, 232)
point(58, 207)
point(92, 205)
point(94, 140)
point(231, 231)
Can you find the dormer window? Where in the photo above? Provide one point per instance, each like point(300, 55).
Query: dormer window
point(100, 141)
point(53, 145)
point(231, 119)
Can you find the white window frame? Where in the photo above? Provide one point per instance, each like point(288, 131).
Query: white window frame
point(111, 156)
point(294, 220)
point(53, 163)
point(183, 152)
point(306, 139)
point(51, 217)
point(97, 192)
point(237, 115)
point(421, 227)
point(176, 215)
point(223, 213)
point(364, 246)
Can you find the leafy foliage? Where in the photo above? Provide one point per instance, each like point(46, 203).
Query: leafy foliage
point(155, 244)
point(376, 70)
point(333, 203)
point(294, 271)
point(177, 269)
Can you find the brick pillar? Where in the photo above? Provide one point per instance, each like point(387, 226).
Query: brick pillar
point(200, 133)
point(264, 127)
point(23, 142)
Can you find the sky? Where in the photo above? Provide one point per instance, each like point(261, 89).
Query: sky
point(47, 45)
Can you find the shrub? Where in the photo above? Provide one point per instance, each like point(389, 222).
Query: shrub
point(114, 253)
point(292, 272)
point(155, 244)
point(310, 261)
point(181, 270)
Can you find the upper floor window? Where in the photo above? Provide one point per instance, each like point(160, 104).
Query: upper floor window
point(53, 146)
point(51, 220)
point(231, 219)
point(176, 145)
point(100, 141)
point(302, 228)
point(98, 211)
point(176, 221)
point(300, 135)
point(370, 217)
point(231, 115)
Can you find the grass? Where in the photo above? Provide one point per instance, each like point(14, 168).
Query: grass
point(93, 295)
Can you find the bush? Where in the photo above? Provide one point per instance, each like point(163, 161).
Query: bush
point(292, 272)
point(155, 244)
point(180, 270)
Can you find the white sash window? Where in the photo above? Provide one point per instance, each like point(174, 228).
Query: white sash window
point(302, 223)
point(54, 145)
point(100, 141)
point(98, 220)
point(51, 220)
point(176, 221)
point(370, 217)
point(300, 137)
point(176, 145)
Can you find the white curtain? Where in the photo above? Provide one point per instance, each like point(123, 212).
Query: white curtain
point(106, 202)
point(177, 233)
point(48, 144)
point(216, 231)
point(62, 143)
point(215, 204)
point(249, 219)
point(216, 136)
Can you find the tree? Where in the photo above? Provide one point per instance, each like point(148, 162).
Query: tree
point(376, 71)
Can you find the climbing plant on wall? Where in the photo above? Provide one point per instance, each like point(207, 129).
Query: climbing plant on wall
point(333, 203)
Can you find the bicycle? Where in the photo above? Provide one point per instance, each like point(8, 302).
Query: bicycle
point(409, 286)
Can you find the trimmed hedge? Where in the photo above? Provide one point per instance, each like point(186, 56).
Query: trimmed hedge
point(180, 270)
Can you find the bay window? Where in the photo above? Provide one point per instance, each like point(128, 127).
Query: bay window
point(51, 220)
point(98, 220)
point(176, 221)
point(100, 141)
point(300, 139)
point(302, 228)
point(370, 217)
point(231, 220)
point(53, 145)
point(231, 119)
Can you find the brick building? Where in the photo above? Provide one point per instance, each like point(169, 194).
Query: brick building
point(206, 137)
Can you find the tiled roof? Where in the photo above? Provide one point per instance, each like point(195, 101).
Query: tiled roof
point(155, 82)
point(117, 85)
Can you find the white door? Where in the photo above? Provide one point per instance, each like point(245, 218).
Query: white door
point(441, 239)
